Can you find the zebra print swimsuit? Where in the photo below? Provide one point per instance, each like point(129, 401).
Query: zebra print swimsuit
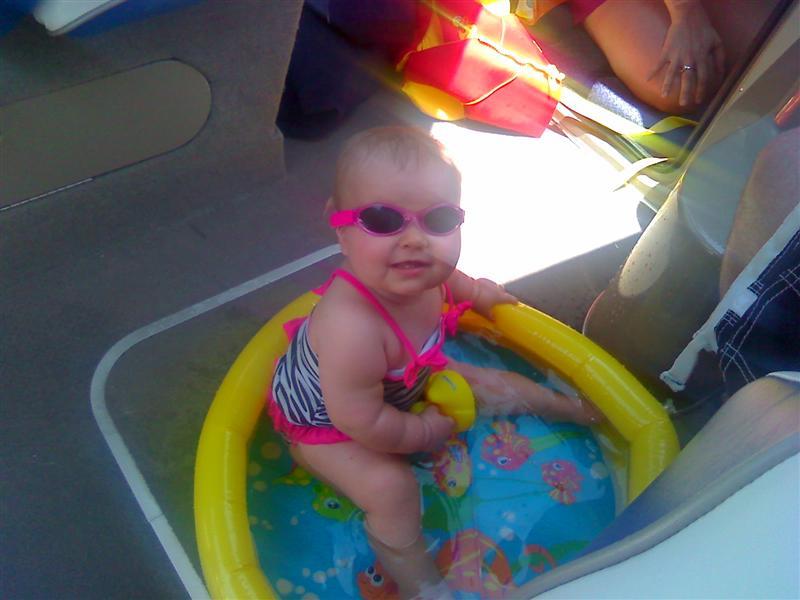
point(296, 405)
point(297, 390)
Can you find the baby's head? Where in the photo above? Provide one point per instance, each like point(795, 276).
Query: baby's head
point(396, 209)
point(375, 152)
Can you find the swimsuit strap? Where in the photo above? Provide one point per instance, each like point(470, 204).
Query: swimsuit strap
point(364, 291)
point(433, 357)
point(454, 311)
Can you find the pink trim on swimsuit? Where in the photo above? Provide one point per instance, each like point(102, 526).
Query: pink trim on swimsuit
point(581, 9)
point(302, 434)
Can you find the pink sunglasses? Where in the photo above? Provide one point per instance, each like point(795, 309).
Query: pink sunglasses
point(386, 219)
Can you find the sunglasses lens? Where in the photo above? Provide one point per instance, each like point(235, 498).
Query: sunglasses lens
point(381, 219)
point(443, 219)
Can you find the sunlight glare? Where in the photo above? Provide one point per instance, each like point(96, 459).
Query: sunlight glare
point(533, 203)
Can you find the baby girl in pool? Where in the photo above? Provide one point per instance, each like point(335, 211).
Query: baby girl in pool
point(342, 392)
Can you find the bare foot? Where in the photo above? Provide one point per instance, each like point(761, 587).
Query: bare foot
point(507, 393)
point(572, 408)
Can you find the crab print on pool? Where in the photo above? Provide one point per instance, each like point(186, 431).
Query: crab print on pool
point(472, 562)
point(332, 505)
point(505, 448)
point(375, 584)
point(565, 479)
point(452, 468)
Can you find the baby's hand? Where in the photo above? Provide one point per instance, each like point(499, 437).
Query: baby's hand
point(438, 428)
point(486, 294)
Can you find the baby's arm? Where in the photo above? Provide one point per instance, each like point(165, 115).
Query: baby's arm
point(483, 293)
point(352, 365)
point(505, 393)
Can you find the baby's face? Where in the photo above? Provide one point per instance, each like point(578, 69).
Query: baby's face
point(411, 261)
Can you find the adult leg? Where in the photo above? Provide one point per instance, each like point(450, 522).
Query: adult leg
point(769, 196)
point(631, 34)
point(384, 487)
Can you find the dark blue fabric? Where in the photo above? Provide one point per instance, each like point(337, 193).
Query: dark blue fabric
point(385, 27)
point(766, 338)
point(128, 12)
point(13, 11)
point(327, 78)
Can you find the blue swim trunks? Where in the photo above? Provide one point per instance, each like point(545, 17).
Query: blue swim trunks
point(766, 337)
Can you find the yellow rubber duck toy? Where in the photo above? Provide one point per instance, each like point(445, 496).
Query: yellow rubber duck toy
point(452, 395)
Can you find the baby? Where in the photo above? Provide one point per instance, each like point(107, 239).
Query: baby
point(341, 394)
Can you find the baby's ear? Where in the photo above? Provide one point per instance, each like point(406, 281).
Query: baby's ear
point(330, 208)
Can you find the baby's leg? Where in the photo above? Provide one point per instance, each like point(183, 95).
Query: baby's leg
point(384, 487)
point(507, 393)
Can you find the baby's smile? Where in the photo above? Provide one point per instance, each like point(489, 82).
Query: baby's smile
point(411, 264)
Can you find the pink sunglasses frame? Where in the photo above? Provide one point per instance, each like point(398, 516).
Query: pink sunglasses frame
point(344, 218)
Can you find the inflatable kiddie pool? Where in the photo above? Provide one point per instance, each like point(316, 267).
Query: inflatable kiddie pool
point(637, 442)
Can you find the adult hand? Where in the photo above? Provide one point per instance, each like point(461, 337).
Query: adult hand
point(692, 53)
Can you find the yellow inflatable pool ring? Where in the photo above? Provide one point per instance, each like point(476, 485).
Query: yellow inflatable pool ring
point(227, 551)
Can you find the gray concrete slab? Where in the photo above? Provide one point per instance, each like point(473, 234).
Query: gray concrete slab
point(158, 392)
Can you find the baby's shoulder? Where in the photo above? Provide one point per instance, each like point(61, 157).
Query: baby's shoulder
point(342, 314)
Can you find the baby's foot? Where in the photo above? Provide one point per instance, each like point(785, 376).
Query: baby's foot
point(437, 591)
point(508, 393)
point(572, 408)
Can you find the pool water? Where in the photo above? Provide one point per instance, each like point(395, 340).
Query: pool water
point(509, 499)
